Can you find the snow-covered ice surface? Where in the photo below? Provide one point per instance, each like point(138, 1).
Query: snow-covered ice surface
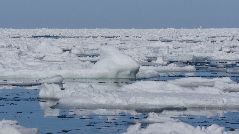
point(185, 92)
point(120, 81)
point(45, 52)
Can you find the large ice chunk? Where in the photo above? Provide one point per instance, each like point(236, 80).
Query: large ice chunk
point(114, 64)
point(215, 93)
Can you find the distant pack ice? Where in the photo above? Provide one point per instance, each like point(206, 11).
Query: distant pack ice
point(72, 53)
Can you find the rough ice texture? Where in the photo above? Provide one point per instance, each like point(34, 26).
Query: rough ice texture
point(112, 64)
point(187, 92)
point(48, 52)
point(12, 127)
point(164, 124)
point(173, 127)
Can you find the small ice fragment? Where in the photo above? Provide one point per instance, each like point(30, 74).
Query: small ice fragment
point(12, 127)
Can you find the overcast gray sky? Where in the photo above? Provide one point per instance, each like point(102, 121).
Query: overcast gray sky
point(119, 13)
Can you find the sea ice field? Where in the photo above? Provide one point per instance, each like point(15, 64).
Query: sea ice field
point(119, 81)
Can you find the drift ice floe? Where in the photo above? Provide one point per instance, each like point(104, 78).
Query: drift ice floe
point(182, 93)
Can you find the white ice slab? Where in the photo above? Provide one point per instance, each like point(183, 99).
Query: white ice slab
point(190, 93)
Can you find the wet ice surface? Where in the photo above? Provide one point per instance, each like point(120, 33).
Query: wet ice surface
point(23, 105)
point(163, 55)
